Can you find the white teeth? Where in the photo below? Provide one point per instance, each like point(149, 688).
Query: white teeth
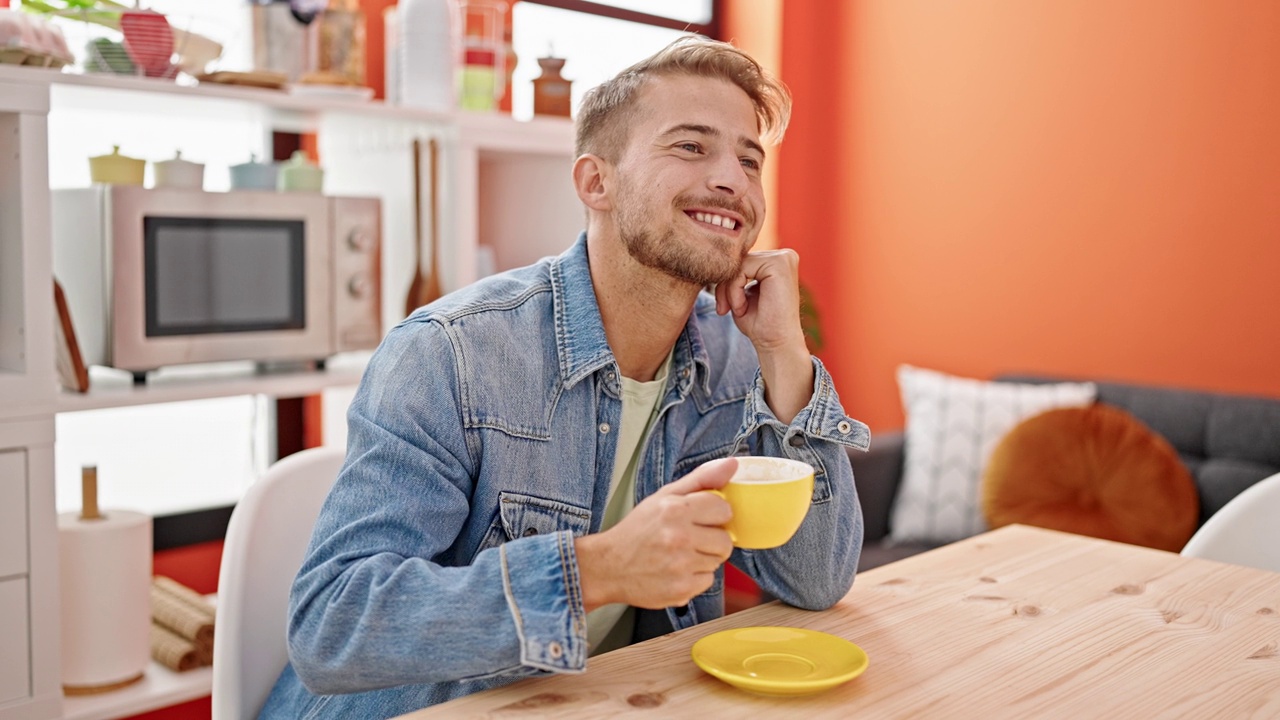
point(717, 220)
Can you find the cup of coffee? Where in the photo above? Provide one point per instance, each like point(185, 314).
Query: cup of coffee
point(770, 497)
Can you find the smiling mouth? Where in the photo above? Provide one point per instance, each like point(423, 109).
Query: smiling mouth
point(719, 221)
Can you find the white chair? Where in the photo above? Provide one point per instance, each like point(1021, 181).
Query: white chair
point(1246, 531)
point(266, 540)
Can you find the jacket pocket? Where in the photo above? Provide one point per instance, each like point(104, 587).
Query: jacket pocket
point(700, 456)
point(526, 515)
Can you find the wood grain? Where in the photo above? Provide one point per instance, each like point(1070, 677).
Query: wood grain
point(424, 290)
point(1016, 623)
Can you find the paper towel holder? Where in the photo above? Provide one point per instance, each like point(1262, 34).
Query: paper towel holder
point(91, 513)
point(89, 493)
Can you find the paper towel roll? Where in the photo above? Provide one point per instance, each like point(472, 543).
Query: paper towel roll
point(106, 598)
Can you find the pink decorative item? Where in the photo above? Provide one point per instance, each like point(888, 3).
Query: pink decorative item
point(149, 41)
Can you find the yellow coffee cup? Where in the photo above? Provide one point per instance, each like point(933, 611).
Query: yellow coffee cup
point(770, 497)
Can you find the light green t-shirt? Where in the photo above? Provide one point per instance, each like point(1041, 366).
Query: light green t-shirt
point(610, 627)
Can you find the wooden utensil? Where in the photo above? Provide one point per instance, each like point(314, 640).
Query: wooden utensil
point(425, 290)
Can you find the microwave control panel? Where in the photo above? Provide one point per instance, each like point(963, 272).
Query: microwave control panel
point(357, 268)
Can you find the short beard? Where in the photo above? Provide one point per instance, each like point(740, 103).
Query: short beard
point(701, 266)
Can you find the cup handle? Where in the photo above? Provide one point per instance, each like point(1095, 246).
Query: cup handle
point(732, 538)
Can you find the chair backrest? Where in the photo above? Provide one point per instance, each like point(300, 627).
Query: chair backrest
point(1245, 531)
point(265, 544)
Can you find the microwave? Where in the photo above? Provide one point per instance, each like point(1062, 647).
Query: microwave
point(159, 277)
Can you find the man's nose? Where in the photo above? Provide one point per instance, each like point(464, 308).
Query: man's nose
point(728, 176)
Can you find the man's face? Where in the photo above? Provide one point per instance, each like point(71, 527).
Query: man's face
point(689, 200)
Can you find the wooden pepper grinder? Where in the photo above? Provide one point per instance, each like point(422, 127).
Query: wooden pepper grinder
point(551, 92)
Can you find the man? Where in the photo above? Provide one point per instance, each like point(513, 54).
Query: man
point(526, 456)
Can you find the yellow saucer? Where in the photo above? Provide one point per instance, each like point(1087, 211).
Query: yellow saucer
point(779, 660)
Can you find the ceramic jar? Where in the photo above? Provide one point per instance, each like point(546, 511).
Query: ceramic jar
point(117, 169)
point(178, 173)
point(300, 174)
point(255, 175)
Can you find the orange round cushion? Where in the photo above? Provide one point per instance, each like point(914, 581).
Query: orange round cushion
point(1095, 471)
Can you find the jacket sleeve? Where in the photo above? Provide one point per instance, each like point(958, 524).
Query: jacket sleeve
point(816, 567)
point(374, 604)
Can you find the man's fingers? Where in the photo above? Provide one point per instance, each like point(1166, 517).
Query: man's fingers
point(707, 476)
point(709, 509)
point(714, 543)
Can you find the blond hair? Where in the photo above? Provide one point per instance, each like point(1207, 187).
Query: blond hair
point(602, 126)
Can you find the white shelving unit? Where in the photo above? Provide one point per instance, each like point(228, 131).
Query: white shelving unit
point(160, 687)
point(109, 390)
point(503, 184)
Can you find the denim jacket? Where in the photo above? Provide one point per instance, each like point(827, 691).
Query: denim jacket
point(480, 443)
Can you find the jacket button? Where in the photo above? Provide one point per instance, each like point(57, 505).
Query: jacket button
point(528, 532)
point(796, 441)
point(554, 650)
point(682, 610)
point(844, 427)
point(604, 428)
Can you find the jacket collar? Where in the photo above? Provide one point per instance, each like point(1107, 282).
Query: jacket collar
point(580, 340)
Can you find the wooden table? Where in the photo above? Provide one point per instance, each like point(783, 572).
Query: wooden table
point(1015, 623)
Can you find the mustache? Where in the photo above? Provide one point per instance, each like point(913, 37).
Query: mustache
point(719, 203)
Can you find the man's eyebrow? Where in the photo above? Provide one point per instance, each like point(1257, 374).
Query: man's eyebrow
point(713, 132)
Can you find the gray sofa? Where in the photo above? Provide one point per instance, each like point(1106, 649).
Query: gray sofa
point(1227, 442)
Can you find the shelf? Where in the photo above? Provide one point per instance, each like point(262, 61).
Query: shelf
point(114, 85)
point(160, 687)
point(495, 130)
point(112, 388)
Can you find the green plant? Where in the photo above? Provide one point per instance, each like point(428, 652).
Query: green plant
point(809, 320)
point(99, 12)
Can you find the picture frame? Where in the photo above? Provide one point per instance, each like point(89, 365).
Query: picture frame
point(72, 372)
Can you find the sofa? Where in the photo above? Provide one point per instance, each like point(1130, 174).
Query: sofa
point(1227, 443)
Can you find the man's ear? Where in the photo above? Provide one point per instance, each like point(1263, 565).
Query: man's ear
point(592, 180)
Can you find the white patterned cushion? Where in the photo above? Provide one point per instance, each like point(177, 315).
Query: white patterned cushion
point(953, 424)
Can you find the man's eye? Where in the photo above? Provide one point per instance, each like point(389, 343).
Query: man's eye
point(750, 163)
point(691, 147)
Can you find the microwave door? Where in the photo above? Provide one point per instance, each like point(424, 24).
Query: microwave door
point(224, 283)
point(209, 276)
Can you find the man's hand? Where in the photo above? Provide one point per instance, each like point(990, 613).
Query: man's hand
point(768, 313)
point(666, 550)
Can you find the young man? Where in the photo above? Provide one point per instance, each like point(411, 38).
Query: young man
point(526, 456)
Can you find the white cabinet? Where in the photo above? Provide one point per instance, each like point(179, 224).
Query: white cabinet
point(29, 685)
point(13, 513)
point(503, 184)
point(29, 640)
point(15, 661)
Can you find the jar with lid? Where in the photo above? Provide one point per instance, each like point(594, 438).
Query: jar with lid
point(178, 172)
point(299, 174)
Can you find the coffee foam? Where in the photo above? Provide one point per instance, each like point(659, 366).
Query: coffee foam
point(760, 470)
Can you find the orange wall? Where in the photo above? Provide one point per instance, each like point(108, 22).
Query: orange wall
point(1085, 188)
point(375, 44)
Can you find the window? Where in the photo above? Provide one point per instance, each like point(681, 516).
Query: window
point(595, 46)
point(697, 12)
